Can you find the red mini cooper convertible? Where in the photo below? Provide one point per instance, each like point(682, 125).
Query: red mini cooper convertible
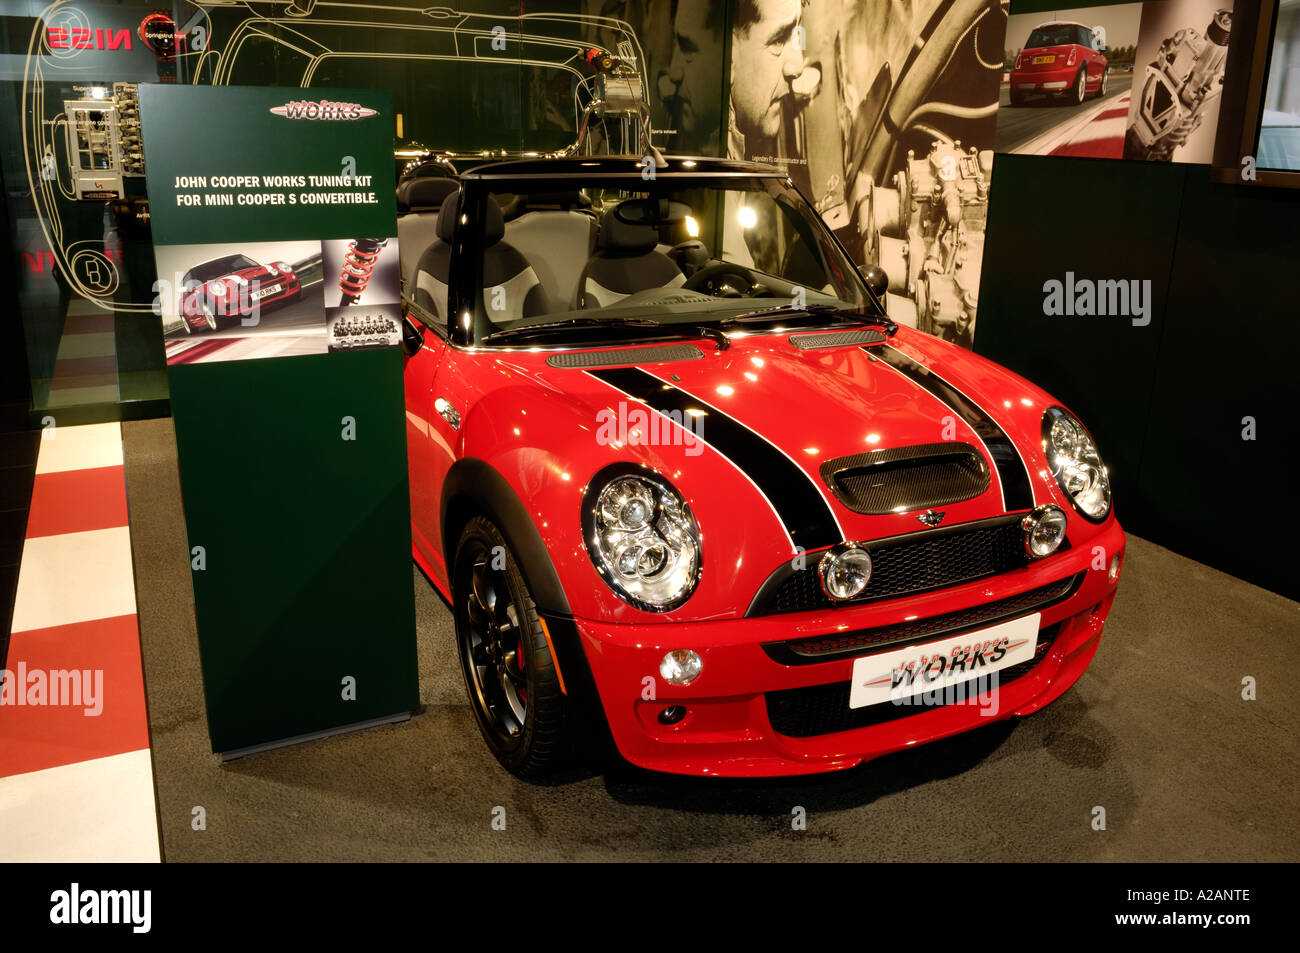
point(691, 492)
point(218, 292)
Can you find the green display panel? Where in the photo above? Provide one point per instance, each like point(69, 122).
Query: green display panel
point(273, 234)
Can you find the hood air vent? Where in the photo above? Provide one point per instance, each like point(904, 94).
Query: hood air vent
point(823, 339)
point(627, 355)
point(902, 479)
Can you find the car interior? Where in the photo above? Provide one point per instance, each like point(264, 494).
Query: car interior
point(584, 250)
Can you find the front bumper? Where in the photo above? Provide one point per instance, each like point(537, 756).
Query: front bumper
point(728, 729)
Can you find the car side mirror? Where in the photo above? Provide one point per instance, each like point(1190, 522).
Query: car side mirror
point(876, 280)
point(412, 337)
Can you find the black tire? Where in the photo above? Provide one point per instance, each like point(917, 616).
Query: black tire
point(1101, 87)
point(502, 650)
point(1017, 98)
point(1080, 87)
point(210, 314)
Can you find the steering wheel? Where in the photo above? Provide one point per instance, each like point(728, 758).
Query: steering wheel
point(714, 279)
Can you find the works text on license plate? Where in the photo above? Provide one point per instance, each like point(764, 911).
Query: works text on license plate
point(910, 671)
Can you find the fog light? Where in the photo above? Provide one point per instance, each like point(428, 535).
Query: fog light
point(844, 571)
point(681, 667)
point(672, 714)
point(1114, 569)
point(1044, 528)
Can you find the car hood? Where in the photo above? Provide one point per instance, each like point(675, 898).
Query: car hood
point(772, 415)
point(768, 416)
point(259, 273)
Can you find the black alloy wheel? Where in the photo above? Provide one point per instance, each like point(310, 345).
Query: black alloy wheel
point(510, 675)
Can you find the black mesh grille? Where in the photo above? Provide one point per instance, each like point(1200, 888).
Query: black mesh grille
point(888, 637)
point(824, 709)
point(822, 339)
point(907, 478)
point(629, 355)
point(910, 564)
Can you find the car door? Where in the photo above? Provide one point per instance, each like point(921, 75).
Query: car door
point(430, 441)
point(1096, 62)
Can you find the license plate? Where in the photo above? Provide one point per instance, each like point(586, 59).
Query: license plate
point(261, 293)
point(1044, 59)
point(936, 666)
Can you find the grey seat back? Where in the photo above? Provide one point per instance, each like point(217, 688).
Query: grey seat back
point(626, 261)
point(511, 289)
point(558, 245)
point(418, 203)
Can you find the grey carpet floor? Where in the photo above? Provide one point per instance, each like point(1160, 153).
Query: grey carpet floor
point(1156, 732)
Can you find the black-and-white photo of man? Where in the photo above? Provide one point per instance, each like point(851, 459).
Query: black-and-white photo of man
point(688, 88)
point(883, 112)
point(682, 42)
point(767, 60)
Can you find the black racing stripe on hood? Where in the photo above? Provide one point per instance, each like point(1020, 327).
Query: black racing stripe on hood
point(800, 505)
point(1017, 494)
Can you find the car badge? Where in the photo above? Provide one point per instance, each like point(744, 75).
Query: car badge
point(931, 518)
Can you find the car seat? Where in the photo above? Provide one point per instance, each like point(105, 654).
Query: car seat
point(557, 237)
point(626, 261)
point(521, 294)
point(418, 202)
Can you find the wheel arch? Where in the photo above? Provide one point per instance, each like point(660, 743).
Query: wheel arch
point(474, 487)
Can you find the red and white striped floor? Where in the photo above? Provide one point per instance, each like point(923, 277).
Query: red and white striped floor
point(76, 778)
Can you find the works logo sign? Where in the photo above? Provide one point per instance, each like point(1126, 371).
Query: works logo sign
point(102, 907)
point(325, 109)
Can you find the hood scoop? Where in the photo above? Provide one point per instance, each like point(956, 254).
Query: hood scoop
point(901, 479)
point(817, 340)
point(656, 354)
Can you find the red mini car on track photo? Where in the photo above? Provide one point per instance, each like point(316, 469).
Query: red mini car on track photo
point(1063, 60)
point(694, 497)
point(218, 292)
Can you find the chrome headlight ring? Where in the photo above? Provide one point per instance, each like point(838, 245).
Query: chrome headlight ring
point(641, 536)
point(1073, 460)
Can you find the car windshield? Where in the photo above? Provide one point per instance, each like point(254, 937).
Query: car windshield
point(1051, 36)
point(221, 266)
point(623, 253)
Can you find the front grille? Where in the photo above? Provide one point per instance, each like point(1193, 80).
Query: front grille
point(899, 479)
point(825, 648)
point(824, 709)
point(905, 565)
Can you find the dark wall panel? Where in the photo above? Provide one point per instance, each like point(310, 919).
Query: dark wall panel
point(1048, 217)
point(1228, 352)
point(1165, 401)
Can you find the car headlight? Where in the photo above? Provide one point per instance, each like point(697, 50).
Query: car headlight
point(1044, 529)
point(642, 537)
point(1074, 461)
